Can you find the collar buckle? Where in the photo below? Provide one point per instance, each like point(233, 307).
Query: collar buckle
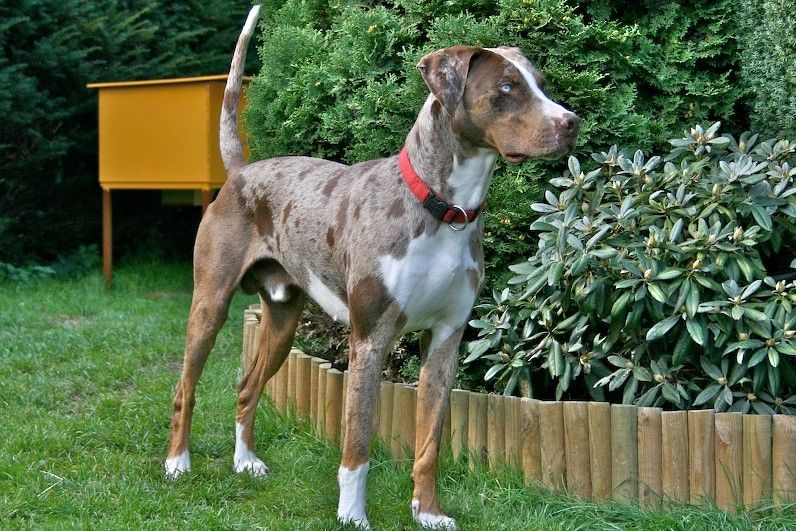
point(435, 205)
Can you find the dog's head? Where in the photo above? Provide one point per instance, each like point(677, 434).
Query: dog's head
point(495, 98)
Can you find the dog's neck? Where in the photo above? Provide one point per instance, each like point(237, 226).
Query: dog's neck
point(460, 174)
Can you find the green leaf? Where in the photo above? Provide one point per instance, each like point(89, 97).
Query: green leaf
point(747, 268)
point(762, 217)
point(656, 292)
point(556, 360)
point(618, 361)
point(773, 357)
point(617, 381)
point(493, 370)
point(554, 275)
point(692, 302)
point(604, 253)
point(649, 396)
point(512, 383)
point(677, 230)
point(669, 274)
point(710, 369)
point(751, 288)
point(753, 314)
point(620, 304)
point(758, 356)
point(681, 349)
point(707, 395)
point(642, 374)
point(541, 226)
point(786, 348)
point(698, 331)
point(629, 395)
point(726, 395)
point(662, 327)
point(523, 268)
point(670, 393)
point(477, 349)
point(574, 166)
point(481, 324)
point(543, 208)
point(574, 242)
point(597, 237)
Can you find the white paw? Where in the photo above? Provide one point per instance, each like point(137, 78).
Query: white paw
point(244, 459)
point(351, 507)
point(177, 466)
point(431, 521)
point(252, 465)
point(361, 523)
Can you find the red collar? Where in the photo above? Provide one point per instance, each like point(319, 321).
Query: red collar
point(439, 208)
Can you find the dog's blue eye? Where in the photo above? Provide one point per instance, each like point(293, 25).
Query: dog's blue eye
point(505, 88)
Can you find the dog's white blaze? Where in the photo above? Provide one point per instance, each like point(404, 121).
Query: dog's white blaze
point(244, 459)
point(430, 282)
point(551, 108)
point(178, 465)
point(434, 521)
point(351, 507)
point(471, 177)
point(326, 299)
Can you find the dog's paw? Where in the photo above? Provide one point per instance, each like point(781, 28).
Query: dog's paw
point(251, 465)
point(178, 465)
point(360, 523)
point(431, 521)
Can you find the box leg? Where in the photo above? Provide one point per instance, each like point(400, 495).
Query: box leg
point(107, 238)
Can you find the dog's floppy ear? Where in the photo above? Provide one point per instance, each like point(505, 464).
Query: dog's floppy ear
point(445, 73)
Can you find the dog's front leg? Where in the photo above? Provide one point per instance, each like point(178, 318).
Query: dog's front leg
point(440, 359)
point(364, 373)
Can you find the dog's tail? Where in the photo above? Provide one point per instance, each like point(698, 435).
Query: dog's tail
point(231, 149)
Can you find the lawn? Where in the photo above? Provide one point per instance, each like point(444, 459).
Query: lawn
point(86, 384)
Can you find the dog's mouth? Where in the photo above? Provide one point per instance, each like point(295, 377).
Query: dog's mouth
point(515, 158)
point(564, 147)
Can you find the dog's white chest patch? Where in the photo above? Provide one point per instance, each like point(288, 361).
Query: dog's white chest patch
point(430, 282)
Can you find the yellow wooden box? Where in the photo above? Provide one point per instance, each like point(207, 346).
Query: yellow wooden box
point(161, 134)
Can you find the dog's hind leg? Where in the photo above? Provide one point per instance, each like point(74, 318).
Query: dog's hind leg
point(437, 371)
point(214, 287)
point(208, 312)
point(277, 328)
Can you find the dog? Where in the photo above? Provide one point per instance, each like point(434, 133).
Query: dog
point(386, 246)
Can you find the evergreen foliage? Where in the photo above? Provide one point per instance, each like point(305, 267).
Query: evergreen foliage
point(767, 42)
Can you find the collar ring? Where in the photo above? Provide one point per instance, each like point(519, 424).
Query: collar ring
point(464, 224)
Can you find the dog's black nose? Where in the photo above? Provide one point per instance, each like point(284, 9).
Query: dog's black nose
point(570, 121)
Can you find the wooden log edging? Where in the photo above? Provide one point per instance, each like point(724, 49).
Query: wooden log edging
point(589, 449)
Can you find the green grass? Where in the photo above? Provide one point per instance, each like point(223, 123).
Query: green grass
point(86, 381)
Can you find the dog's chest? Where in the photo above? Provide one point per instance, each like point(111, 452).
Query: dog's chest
point(432, 281)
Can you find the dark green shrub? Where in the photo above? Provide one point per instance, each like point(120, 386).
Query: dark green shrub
point(650, 280)
point(339, 80)
point(767, 43)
